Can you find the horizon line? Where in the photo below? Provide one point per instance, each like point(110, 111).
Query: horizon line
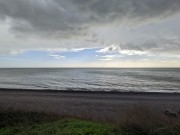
point(87, 67)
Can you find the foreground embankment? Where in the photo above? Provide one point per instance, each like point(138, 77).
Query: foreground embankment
point(89, 105)
point(54, 112)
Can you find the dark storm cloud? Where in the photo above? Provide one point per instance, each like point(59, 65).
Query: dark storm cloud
point(43, 17)
point(62, 19)
point(139, 11)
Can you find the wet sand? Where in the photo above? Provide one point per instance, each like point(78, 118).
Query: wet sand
point(90, 105)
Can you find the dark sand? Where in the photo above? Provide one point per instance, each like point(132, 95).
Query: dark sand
point(90, 105)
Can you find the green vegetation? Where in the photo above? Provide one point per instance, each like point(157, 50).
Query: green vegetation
point(61, 127)
point(138, 121)
point(32, 123)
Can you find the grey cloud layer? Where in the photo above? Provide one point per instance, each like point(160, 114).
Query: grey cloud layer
point(139, 11)
point(42, 17)
point(147, 45)
point(65, 19)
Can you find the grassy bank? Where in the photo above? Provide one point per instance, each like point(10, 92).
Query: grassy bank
point(61, 127)
point(139, 120)
point(32, 123)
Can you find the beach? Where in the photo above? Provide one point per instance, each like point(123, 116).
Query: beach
point(100, 106)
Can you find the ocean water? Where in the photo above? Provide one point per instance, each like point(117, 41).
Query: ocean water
point(91, 79)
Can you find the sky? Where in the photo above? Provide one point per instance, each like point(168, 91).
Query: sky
point(89, 33)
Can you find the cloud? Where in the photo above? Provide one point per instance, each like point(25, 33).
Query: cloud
point(63, 25)
point(4, 51)
point(140, 11)
point(127, 49)
point(130, 47)
point(45, 18)
point(55, 56)
point(162, 46)
point(112, 48)
point(141, 48)
point(67, 19)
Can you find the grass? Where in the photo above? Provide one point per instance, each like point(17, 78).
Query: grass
point(33, 123)
point(62, 127)
point(139, 120)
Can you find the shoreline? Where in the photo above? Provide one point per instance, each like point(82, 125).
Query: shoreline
point(87, 91)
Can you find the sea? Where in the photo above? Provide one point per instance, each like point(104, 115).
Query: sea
point(92, 79)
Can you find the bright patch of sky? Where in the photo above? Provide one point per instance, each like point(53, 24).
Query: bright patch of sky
point(84, 58)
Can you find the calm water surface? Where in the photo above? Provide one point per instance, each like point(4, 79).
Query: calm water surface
point(147, 80)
